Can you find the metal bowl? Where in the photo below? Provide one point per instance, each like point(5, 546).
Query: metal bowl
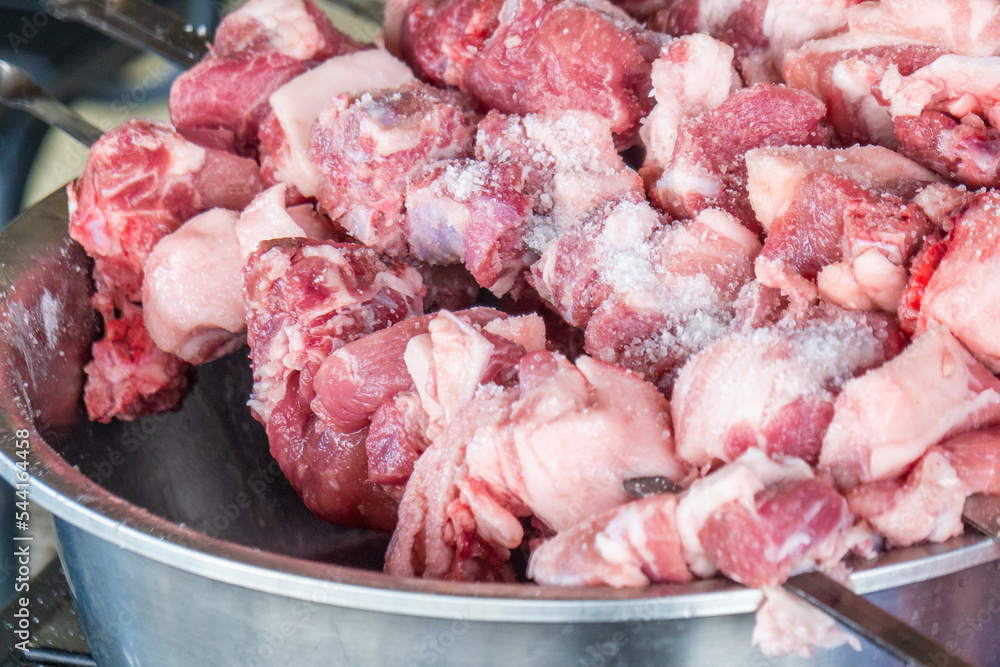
point(184, 545)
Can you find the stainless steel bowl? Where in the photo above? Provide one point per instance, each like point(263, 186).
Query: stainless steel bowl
point(184, 545)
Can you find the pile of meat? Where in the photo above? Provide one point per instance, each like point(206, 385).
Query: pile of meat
point(751, 247)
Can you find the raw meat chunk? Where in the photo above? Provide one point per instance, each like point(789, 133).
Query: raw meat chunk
point(962, 294)
point(975, 457)
point(885, 420)
point(268, 218)
point(785, 625)
point(524, 56)
point(773, 388)
point(473, 212)
point(129, 377)
point(192, 295)
point(285, 134)
point(633, 545)
point(222, 101)
point(926, 505)
point(760, 31)
point(707, 169)
point(568, 164)
point(840, 223)
point(307, 298)
point(648, 294)
point(367, 147)
point(595, 423)
point(141, 181)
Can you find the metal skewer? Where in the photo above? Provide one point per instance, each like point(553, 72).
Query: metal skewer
point(19, 91)
point(138, 23)
point(881, 628)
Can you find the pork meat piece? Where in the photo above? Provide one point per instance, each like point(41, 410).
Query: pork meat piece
point(945, 116)
point(471, 212)
point(294, 28)
point(787, 625)
point(533, 63)
point(760, 31)
point(562, 417)
point(630, 546)
point(367, 147)
point(924, 506)
point(327, 467)
point(524, 57)
point(692, 75)
point(840, 223)
point(846, 73)
point(961, 294)
point(222, 101)
point(129, 376)
point(307, 298)
point(357, 378)
point(975, 457)
point(773, 388)
point(647, 293)
point(567, 162)
point(439, 38)
point(435, 536)
point(757, 520)
point(140, 182)
point(707, 167)
point(885, 420)
point(285, 133)
point(895, 39)
point(192, 295)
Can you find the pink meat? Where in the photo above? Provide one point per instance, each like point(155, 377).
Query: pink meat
point(846, 73)
point(773, 388)
point(472, 212)
point(975, 457)
point(786, 624)
point(141, 181)
point(840, 223)
point(222, 101)
point(648, 294)
point(436, 535)
point(568, 164)
point(396, 438)
point(925, 506)
point(885, 420)
point(965, 27)
point(962, 294)
point(761, 545)
point(707, 167)
point(475, 482)
point(295, 28)
point(760, 31)
point(307, 298)
point(357, 378)
point(439, 38)
point(328, 468)
point(129, 377)
point(630, 546)
point(367, 147)
point(531, 63)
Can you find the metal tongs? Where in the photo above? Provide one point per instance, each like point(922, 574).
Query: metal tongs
point(878, 626)
point(19, 91)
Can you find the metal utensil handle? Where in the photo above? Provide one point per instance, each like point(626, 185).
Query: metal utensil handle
point(138, 23)
point(20, 91)
point(874, 623)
